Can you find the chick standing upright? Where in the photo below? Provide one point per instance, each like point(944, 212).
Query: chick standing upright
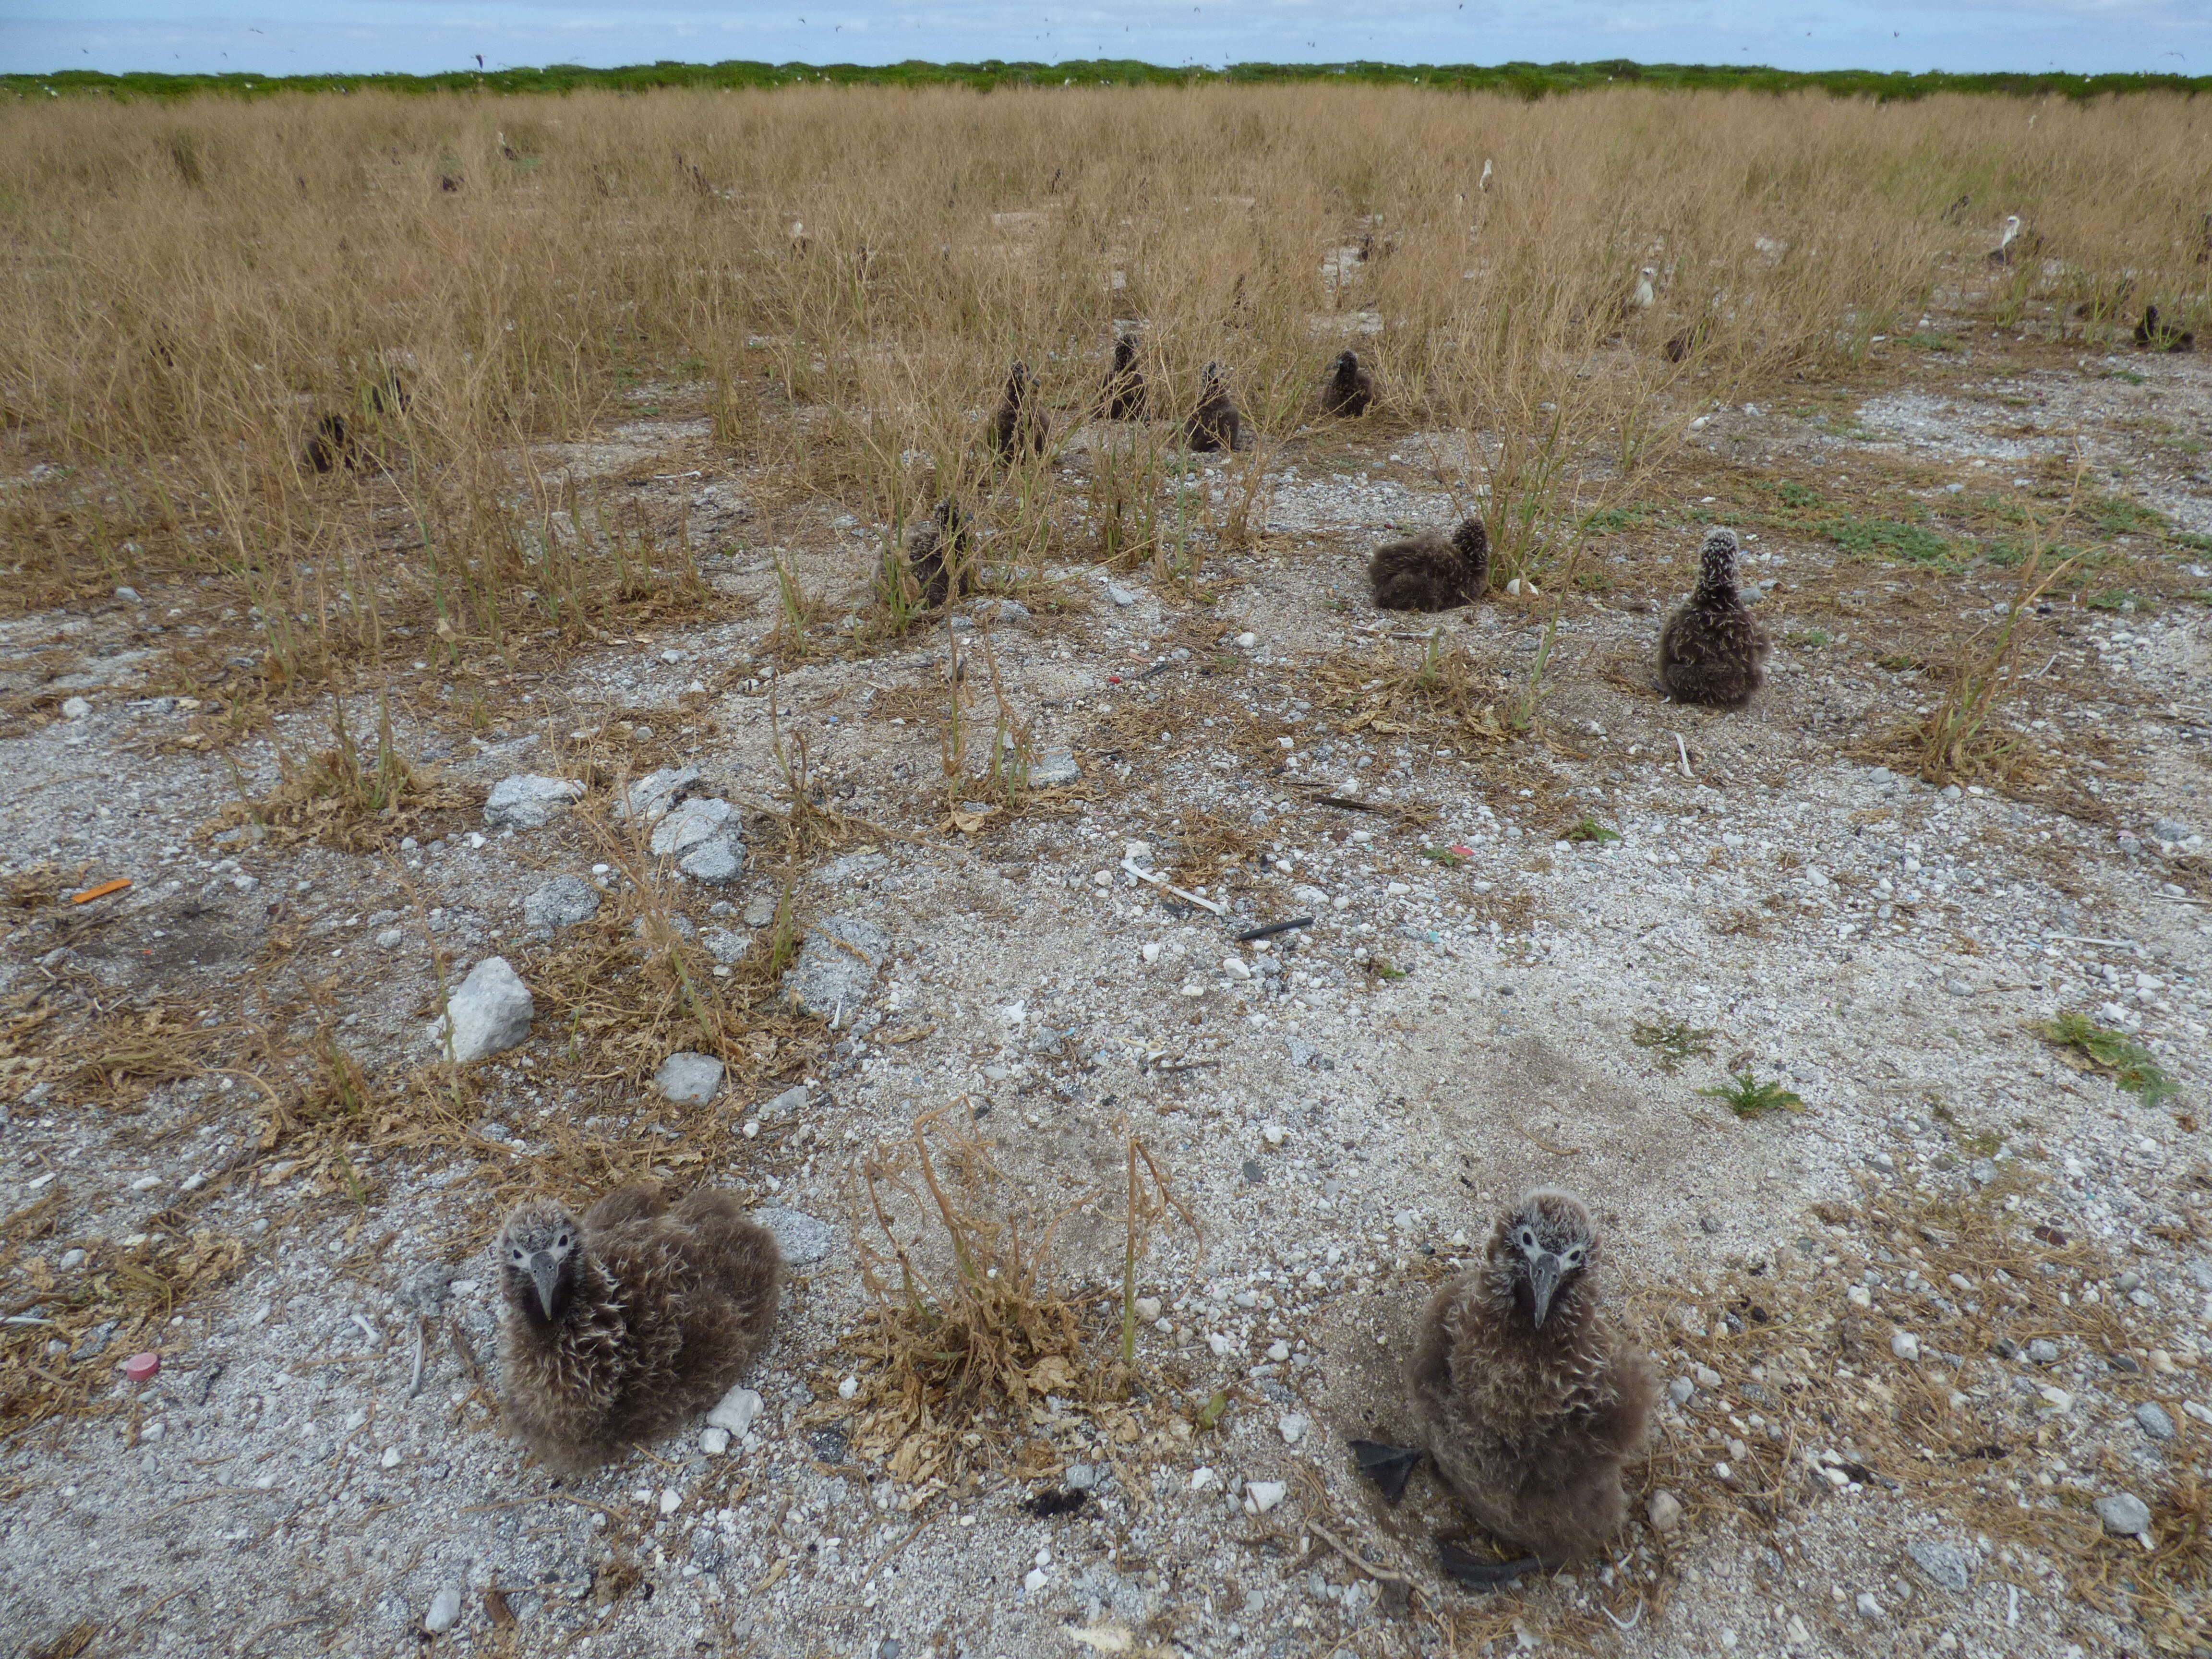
point(622, 1323)
point(1530, 1401)
point(1215, 424)
point(1711, 651)
point(1019, 423)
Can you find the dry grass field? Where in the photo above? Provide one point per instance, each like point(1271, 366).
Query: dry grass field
point(359, 451)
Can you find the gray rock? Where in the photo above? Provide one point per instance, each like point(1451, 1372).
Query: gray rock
point(489, 1011)
point(445, 1610)
point(792, 1099)
point(1879, 774)
point(1680, 1390)
point(853, 867)
point(805, 1240)
point(1665, 1511)
point(2200, 1270)
point(688, 1080)
point(2170, 829)
point(561, 902)
point(1055, 769)
point(706, 1549)
point(528, 801)
point(705, 838)
point(734, 1412)
point(1119, 594)
point(1943, 1565)
point(837, 966)
point(652, 795)
point(1080, 1476)
point(1004, 613)
point(75, 708)
point(760, 909)
point(2151, 1417)
point(2043, 1351)
point(1868, 1606)
point(2125, 1514)
point(725, 944)
point(1306, 1057)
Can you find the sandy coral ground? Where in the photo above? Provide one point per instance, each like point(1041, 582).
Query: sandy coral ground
point(1914, 1329)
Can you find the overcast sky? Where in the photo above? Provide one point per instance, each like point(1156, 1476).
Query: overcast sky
point(363, 36)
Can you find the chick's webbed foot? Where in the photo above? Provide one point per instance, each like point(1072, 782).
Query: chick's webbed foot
point(1388, 1467)
point(1482, 1575)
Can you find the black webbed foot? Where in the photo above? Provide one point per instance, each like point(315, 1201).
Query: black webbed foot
point(1481, 1575)
point(1388, 1467)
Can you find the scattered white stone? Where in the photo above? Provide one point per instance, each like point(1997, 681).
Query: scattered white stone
point(1055, 769)
point(1665, 1511)
point(705, 837)
point(527, 801)
point(2154, 1420)
point(712, 1441)
point(1260, 1496)
point(671, 1500)
point(1279, 1352)
point(735, 1411)
point(445, 1610)
point(1293, 1427)
point(1119, 594)
point(1905, 1346)
point(489, 1011)
point(2125, 1514)
point(652, 795)
point(837, 966)
point(561, 902)
point(1035, 1579)
point(688, 1080)
point(1148, 1307)
point(804, 1240)
point(1203, 1477)
point(1943, 1565)
point(75, 708)
point(848, 1388)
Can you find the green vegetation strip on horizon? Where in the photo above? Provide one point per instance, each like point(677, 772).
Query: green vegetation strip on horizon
point(1523, 80)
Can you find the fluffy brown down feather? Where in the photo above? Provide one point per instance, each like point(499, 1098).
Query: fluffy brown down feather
point(664, 1311)
point(1349, 391)
point(1125, 383)
point(1530, 1424)
point(1427, 572)
point(1711, 651)
point(1019, 423)
point(1215, 424)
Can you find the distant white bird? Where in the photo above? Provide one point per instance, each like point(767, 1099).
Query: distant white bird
point(1643, 298)
point(1483, 183)
point(2001, 253)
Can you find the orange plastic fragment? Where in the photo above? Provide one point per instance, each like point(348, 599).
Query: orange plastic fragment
point(101, 891)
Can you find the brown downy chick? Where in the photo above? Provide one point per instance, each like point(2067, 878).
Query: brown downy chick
point(1529, 1399)
point(331, 445)
point(1019, 424)
point(1215, 424)
point(933, 550)
point(1711, 651)
point(1125, 383)
point(1349, 391)
point(622, 1324)
point(1427, 572)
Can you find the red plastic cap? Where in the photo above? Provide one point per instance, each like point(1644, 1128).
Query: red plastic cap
point(141, 1367)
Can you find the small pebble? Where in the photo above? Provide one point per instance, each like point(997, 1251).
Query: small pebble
point(1666, 1511)
point(848, 1388)
point(1293, 1428)
point(1905, 1346)
point(2125, 1514)
point(2043, 1351)
point(2152, 1418)
point(1260, 1496)
point(445, 1610)
point(1681, 1389)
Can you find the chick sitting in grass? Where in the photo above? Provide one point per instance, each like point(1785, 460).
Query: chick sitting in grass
point(1529, 1401)
point(621, 1324)
point(1125, 383)
point(1215, 424)
point(1019, 423)
point(1711, 651)
point(1428, 573)
point(1349, 391)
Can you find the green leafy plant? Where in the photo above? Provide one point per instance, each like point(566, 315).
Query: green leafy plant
point(2126, 1062)
point(1886, 538)
point(1673, 1041)
point(1590, 830)
point(1749, 1096)
point(1808, 639)
point(1444, 855)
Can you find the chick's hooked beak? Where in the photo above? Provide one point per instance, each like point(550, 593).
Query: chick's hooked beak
point(1543, 1282)
point(545, 1275)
